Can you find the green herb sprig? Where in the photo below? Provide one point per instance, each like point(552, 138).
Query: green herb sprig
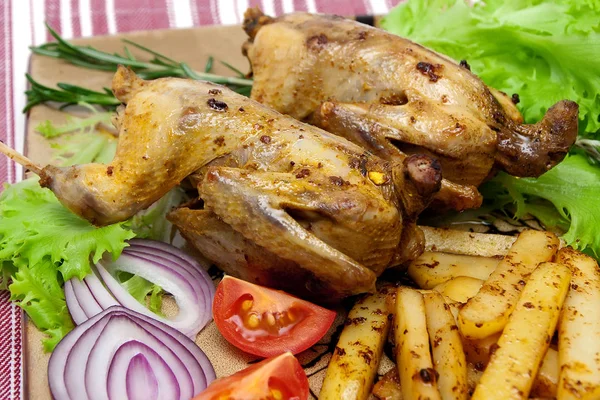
point(68, 95)
point(88, 57)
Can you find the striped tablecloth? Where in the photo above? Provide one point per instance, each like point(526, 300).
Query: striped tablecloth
point(22, 25)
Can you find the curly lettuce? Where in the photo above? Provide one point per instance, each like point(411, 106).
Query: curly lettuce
point(573, 190)
point(46, 244)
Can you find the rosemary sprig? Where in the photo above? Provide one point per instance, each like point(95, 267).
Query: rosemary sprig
point(88, 57)
point(67, 95)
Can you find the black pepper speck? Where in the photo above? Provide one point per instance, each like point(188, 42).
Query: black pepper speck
point(217, 105)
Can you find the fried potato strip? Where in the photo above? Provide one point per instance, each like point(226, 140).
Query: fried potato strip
point(468, 243)
point(433, 268)
point(514, 364)
point(447, 350)
point(418, 378)
point(354, 363)
point(579, 329)
point(487, 313)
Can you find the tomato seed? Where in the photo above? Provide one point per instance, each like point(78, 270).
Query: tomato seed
point(276, 394)
point(253, 321)
point(247, 305)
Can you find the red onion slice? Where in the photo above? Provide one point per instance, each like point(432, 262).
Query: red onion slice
point(193, 268)
point(122, 354)
point(75, 309)
point(203, 288)
point(88, 303)
point(75, 365)
point(154, 248)
point(100, 358)
point(140, 381)
point(160, 263)
point(138, 372)
point(167, 274)
point(192, 309)
point(58, 360)
point(99, 291)
point(200, 362)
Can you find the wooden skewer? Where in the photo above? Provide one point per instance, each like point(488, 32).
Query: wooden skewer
point(19, 158)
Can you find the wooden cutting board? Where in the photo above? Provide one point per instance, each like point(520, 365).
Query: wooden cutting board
point(192, 46)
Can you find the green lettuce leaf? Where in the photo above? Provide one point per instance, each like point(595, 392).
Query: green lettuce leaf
point(74, 124)
point(44, 244)
point(145, 292)
point(544, 51)
point(151, 223)
point(80, 148)
point(34, 225)
point(573, 188)
point(37, 289)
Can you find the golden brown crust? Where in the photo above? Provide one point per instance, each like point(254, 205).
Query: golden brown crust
point(393, 96)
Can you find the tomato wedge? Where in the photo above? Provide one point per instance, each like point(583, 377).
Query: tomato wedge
point(277, 378)
point(267, 322)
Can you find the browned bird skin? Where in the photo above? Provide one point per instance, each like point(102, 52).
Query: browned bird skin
point(284, 200)
point(394, 97)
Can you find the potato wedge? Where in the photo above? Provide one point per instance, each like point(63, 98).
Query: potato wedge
point(413, 358)
point(447, 350)
point(433, 268)
point(546, 381)
point(354, 363)
point(579, 329)
point(460, 289)
point(514, 364)
point(479, 351)
point(487, 313)
point(468, 243)
point(388, 387)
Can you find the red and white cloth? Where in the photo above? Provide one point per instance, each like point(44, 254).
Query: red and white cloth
point(22, 25)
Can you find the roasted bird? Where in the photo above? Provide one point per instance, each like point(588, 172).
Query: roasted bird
point(394, 98)
point(280, 203)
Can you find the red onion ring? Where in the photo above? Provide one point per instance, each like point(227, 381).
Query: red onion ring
point(100, 361)
point(137, 369)
point(140, 247)
point(204, 292)
point(99, 291)
point(75, 309)
point(160, 263)
point(88, 303)
point(160, 249)
point(120, 352)
point(192, 310)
